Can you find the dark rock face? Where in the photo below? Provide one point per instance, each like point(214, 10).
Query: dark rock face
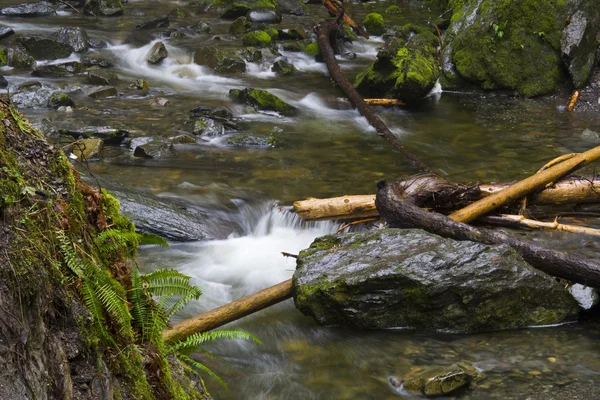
point(3, 82)
point(234, 11)
point(293, 7)
point(155, 149)
point(103, 78)
point(409, 278)
point(264, 15)
point(283, 67)
point(103, 8)
point(160, 22)
point(406, 68)
point(157, 53)
point(221, 61)
point(110, 136)
point(38, 9)
point(77, 38)
point(43, 48)
point(579, 45)
point(6, 32)
point(20, 59)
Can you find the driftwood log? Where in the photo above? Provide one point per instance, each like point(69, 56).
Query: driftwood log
point(398, 209)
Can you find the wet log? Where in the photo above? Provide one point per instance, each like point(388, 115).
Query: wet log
point(325, 35)
point(399, 211)
point(443, 197)
point(381, 102)
point(230, 312)
point(525, 187)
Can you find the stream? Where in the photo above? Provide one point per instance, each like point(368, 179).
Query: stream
point(327, 150)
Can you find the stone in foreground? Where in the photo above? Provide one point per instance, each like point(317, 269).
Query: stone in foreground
point(409, 278)
point(437, 381)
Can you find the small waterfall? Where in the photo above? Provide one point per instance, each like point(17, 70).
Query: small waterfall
point(227, 270)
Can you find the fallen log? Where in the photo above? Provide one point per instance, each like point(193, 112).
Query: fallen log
point(523, 222)
point(230, 312)
point(571, 190)
point(525, 187)
point(381, 102)
point(399, 211)
point(325, 33)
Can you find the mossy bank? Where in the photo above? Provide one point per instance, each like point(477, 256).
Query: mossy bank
point(55, 345)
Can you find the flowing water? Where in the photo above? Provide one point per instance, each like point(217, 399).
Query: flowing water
point(328, 150)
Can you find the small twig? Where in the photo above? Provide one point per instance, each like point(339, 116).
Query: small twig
point(360, 221)
point(283, 253)
point(69, 5)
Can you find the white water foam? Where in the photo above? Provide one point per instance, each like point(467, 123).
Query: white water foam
point(227, 270)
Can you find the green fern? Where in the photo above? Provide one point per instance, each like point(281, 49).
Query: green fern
point(114, 243)
point(149, 238)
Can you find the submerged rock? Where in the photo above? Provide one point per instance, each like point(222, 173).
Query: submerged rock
point(102, 92)
point(283, 67)
point(437, 381)
point(102, 78)
point(103, 8)
point(44, 48)
point(157, 53)
point(406, 68)
point(110, 136)
point(221, 61)
point(157, 148)
point(159, 22)
point(75, 37)
point(39, 9)
point(409, 278)
point(6, 32)
point(220, 114)
point(262, 100)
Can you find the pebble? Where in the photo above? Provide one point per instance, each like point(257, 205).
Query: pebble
point(69, 109)
point(534, 373)
point(551, 359)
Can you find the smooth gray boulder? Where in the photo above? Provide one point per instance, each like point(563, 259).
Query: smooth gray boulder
point(39, 9)
point(409, 278)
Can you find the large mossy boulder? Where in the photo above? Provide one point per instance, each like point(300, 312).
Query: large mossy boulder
point(406, 68)
point(527, 46)
point(262, 100)
point(409, 278)
point(45, 48)
point(221, 61)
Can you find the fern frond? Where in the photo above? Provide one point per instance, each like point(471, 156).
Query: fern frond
point(114, 305)
point(202, 368)
point(149, 238)
point(169, 283)
point(69, 254)
point(197, 339)
point(116, 242)
point(94, 306)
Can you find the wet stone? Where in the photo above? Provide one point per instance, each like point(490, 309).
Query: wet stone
point(38, 9)
point(102, 78)
point(6, 32)
point(157, 53)
point(96, 62)
point(235, 11)
point(105, 91)
point(87, 149)
point(55, 70)
point(437, 381)
point(57, 100)
point(113, 136)
point(160, 22)
point(283, 67)
point(44, 48)
point(18, 58)
point(3, 82)
point(140, 84)
point(201, 27)
point(75, 37)
point(103, 8)
point(155, 149)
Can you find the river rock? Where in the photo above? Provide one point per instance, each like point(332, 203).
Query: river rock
point(18, 58)
point(234, 11)
point(292, 7)
point(214, 120)
point(247, 140)
point(240, 25)
point(221, 61)
point(294, 33)
point(45, 48)
point(31, 95)
point(96, 61)
point(103, 8)
point(579, 44)
point(207, 127)
point(157, 148)
point(262, 100)
point(406, 67)
point(3, 82)
point(87, 149)
point(140, 84)
point(409, 278)
point(57, 100)
point(518, 45)
point(55, 70)
point(110, 136)
point(157, 53)
point(201, 27)
point(102, 92)
point(102, 78)
point(264, 15)
point(437, 381)
point(159, 22)
point(6, 32)
point(75, 37)
point(283, 67)
point(373, 23)
point(587, 297)
point(39, 9)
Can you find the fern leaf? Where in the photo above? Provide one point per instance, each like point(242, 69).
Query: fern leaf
point(199, 338)
point(202, 368)
point(114, 305)
point(149, 238)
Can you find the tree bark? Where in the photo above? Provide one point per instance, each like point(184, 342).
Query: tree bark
point(399, 211)
point(325, 31)
point(230, 312)
point(446, 197)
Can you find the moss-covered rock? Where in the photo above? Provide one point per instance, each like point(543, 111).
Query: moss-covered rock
point(393, 10)
point(60, 99)
point(104, 8)
point(405, 69)
point(283, 67)
point(373, 23)
point(235, 10)
point(221, 61)
point(262, 100)
point(312, 49)
point(511, 45)
point(408, 278)
point(240, 25)
point(3, 58)
point(257, 38)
